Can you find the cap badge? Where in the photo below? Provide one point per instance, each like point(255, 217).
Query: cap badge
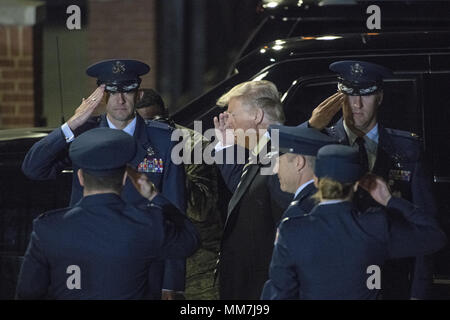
point(356, 70)
point(118, 67)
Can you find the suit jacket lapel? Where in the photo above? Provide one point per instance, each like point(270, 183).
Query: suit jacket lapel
point(243, 186)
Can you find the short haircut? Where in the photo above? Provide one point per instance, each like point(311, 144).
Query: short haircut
point(311, 162)
point(112, 181)
point(262, 94)
point(151, 98)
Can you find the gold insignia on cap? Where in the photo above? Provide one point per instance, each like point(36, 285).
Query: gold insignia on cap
point(356, 70)
point(118, 67)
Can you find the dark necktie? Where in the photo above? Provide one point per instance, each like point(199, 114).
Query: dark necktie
point(363, 153)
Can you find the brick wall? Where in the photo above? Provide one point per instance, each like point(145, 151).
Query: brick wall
point(17, 94)
point(123, 29)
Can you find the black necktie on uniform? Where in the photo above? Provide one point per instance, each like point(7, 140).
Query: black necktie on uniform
point(363, 158)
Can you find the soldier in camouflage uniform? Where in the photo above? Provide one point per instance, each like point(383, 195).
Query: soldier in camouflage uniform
point(202, 190)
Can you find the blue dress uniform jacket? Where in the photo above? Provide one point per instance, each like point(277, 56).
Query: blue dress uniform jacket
point(399, 161)
point(326, 255)
point(117, 247)
point(49, 156)
point(302, 203)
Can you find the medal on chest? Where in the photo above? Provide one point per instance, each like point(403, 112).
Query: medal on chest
point(151, 163)
point(398, 173)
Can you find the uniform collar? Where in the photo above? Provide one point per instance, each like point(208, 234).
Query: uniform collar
point(130, 128)
point(325, 202)
point(372, 135)
point(303, 186)
point(100, 199)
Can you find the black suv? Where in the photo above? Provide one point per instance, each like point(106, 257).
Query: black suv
point(416, 99)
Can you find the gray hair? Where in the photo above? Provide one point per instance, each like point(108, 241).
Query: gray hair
point(262, 94)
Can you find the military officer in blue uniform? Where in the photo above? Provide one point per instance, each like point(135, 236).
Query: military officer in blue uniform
point(336, 251)
point(103, 247)
point(394, 155)
point(295, 165)
point(119, 81)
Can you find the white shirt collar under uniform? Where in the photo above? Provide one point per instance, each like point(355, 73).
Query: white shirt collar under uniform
point(325, 202)
point(371, 143)
point(370, 138)
point(130, 128)
point(303, 186)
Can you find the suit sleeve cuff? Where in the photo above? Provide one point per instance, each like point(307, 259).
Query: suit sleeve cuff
point(219, 147)
point(68, 134)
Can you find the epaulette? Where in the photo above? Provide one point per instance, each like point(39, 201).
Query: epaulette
point(52, 212)
point(158, 124)
point(403, 134)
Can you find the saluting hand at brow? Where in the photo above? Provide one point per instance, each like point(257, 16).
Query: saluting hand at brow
point(223, 130)
point(323, 114)
point(86, 108)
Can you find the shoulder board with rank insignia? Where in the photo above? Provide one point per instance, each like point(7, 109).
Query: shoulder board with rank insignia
point(403, 134)
point(158, 124)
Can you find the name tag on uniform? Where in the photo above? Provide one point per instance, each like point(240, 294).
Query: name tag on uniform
point(402, 175)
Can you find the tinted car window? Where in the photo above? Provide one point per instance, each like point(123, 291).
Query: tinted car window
point(400, 108)
point(439, 111)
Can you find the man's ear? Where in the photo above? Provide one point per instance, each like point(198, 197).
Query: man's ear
point(380, 97)
point(300, 162)
point(259, 116)
point(80, 177)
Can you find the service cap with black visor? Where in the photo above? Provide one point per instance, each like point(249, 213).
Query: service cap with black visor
point(359, 78)
point(118, 75)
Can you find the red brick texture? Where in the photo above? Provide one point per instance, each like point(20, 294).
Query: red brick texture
point(16, 77)
point(123, 29)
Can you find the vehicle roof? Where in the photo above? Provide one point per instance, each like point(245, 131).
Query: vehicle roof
point(353, 43)
point(24, 133)
point(326, 9)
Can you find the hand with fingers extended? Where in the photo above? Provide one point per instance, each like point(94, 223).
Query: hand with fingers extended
point(224, 132)
point(326, 110)
point(376, 187)
point(86, 108)
point(142, 184)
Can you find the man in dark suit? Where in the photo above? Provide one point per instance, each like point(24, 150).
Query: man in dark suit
point(104, 248)
point(295, 165)
point(336, 251)
point(257, 203)
point(120, 79)
point(394, 155)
